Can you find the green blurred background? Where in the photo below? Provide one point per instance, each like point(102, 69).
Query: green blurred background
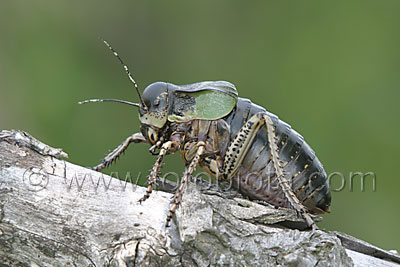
point(330, 69)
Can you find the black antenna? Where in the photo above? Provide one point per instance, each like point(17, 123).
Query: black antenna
point(109, 100)
point(126, 70)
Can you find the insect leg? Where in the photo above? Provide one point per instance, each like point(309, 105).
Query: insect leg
point(114, 155)
point(169, 146)
point(239, 147)
point(186, 175)
point(282, 180)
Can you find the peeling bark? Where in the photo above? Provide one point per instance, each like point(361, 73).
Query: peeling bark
point(54, 213)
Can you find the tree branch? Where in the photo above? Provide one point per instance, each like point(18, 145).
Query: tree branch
point(56, 213)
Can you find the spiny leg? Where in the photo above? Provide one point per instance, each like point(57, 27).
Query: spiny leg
point(169, 146)
point(283, 182)
point(186, 175)
point(239, 147)
point(114, 155)
point(153, 148)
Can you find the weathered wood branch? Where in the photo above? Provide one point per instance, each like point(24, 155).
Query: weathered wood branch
point(54, 213)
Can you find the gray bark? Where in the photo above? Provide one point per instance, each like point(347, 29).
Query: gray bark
point(54, 213)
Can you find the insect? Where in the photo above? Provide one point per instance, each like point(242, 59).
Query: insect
point(231, 138)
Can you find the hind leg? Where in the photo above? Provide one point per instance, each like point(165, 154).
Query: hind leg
point(239, 147)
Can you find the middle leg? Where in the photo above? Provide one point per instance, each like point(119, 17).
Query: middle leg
point(170, 146)
point(187, 174)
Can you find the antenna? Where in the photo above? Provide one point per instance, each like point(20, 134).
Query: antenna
point(109, 100)
point(126, 70)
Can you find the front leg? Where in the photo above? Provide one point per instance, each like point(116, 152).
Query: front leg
point(114, 155)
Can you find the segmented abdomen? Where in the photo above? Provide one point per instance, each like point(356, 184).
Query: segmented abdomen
point(256, 177)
